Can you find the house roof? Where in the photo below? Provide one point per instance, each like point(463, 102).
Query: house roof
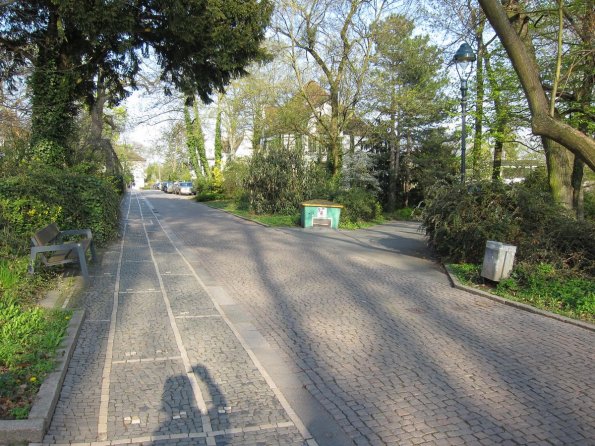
point(133, 156)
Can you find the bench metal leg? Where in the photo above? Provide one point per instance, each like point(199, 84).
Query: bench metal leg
point(93, 254)
point(82, 262)
point(31, 268)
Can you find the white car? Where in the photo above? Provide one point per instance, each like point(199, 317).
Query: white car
point(185, 188)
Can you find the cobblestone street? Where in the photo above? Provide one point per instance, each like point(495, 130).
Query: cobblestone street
point(206, 329)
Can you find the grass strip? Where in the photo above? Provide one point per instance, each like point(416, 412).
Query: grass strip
point(541, 286)
point(29, 338)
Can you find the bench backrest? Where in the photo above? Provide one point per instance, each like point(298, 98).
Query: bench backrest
point(46, 235)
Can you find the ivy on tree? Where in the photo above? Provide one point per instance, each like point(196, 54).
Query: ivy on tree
point(76, 47)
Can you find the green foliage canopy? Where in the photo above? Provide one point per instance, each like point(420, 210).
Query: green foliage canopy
point(74, 46)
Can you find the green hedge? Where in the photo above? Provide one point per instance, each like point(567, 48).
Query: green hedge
point(72, 200)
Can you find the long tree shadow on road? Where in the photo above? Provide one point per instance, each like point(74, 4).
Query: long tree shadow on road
point(381, 348)
point(440, 370)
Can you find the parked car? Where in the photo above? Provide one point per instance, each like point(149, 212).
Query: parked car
point(185, 188)
point(170, 187)
point(157, 185)
point(165, 185)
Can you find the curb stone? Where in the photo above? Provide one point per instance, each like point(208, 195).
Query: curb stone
point(456, 284)
point(236, 215)
point(33, 428)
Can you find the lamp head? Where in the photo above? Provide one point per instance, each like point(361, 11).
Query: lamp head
point(463, 59)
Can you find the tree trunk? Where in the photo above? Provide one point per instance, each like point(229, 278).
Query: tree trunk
point(53, 105)
point(335, 150)
point(559, 165)
point(191, 143)
point(407, 177)
point(528, 72)
point(578, 203)
point(394, 152)
point(96, 140)
point(200, 139)
point(393, 171)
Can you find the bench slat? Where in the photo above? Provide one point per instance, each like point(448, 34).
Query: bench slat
point(46, 235)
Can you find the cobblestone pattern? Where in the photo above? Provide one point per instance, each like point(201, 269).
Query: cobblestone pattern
point(151, 400)
point(398, 357)
point(151, 397)
point(186, 298)
point(228, 379)
point(75, 417)
point(137, 339)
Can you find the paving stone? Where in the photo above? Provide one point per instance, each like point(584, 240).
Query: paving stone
point(380, 339)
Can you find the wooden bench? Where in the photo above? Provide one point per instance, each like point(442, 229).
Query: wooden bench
point(50, 244)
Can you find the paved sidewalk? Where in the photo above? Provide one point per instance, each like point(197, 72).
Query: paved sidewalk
point(206, 329)
point(159, 363)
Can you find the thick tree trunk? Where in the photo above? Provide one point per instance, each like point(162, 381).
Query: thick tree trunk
point(528, 72)
point(191, 142)
point(53, 105)
point(559, 165)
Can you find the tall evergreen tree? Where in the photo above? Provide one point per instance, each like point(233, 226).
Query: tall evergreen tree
point(405, 89)
point(200, 46)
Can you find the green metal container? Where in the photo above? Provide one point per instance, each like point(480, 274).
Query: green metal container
point(320, 213)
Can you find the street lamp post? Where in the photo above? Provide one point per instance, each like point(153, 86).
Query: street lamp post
point(463, 59)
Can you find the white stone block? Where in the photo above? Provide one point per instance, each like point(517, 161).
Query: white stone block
point(497, 261)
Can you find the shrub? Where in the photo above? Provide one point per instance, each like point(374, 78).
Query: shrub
point(41, 196)
point(460, 219)
point(359, 205)
point(279, 179)
point(209, 189)
point(234, 176)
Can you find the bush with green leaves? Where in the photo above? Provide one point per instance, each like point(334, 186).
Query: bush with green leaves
point(359, 205)
point(459, 219)
point(208, 189)
point(280, 178)
point(235, 173)
point(31, 200)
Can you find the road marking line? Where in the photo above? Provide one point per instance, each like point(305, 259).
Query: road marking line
point(107, 367)
point(301, 427)
point(193, 435)
point(143, 360)
point(199, 316)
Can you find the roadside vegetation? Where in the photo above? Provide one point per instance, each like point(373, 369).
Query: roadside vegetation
point(555, 259)
point(29, 336)
point(32, 197)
